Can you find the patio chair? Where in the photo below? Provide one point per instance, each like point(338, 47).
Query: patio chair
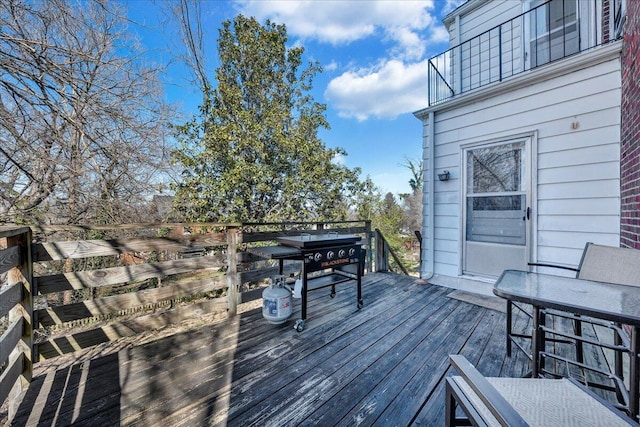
point(523, 402)
point(599, 263)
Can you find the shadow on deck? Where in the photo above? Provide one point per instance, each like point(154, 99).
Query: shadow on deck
point(383, 364)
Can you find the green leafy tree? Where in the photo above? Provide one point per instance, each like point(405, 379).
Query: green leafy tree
point(254, 153)
point(390, 218)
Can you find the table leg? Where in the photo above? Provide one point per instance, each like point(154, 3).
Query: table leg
point(509, 326)
point(633, 373)
point(537, 342)
point(280, 266)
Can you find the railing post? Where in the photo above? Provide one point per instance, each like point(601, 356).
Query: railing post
point(382, 253)
point(232, 270)
point(458, 65)
point(500, 52)
point(429, 83)
point(369, 260)
point(23, 274)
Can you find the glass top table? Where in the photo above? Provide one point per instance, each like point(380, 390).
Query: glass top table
point(607, 301)
point(616, 303)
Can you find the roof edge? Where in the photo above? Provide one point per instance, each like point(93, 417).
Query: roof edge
point(465, 8)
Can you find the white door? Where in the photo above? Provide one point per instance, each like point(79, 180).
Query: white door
point(496, 206)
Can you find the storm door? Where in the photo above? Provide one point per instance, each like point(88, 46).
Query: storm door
point(496, 211)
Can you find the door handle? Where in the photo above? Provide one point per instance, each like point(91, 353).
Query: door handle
point(527, 215)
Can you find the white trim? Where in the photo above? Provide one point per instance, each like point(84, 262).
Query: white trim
point(464, 9)
point(530, 140)
point(428, 187)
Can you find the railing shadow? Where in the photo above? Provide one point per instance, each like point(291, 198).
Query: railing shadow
point(87, 392)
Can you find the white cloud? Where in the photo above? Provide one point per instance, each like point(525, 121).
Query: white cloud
point(451, 5)
point(343, 22)
point(333, 22)
point(332, 66)
point(397, 83)
point(439, 34)
point(390, 89)
point(339, 159)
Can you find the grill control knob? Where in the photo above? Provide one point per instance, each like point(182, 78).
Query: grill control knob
point(341, 253)
point(352, 251)
point(330, 255)
point(317, 256)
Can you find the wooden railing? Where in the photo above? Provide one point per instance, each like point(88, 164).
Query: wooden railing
point(385, 255)
point(99, 283)
point(16, 307)
point(68, 288)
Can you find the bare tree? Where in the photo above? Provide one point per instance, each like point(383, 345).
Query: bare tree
point(82, 121)
point(415, 166)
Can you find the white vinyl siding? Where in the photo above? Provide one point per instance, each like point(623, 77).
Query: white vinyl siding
point(479, 61)
point(487, 16)
point(576, 120)
point(480, 58)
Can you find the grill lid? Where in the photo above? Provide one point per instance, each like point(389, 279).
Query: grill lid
point(318, 240)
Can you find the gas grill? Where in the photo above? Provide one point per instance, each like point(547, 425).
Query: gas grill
point(342, 255)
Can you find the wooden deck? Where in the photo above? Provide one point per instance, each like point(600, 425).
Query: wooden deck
point(381, 365)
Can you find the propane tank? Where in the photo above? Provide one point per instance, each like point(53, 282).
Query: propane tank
point(276, 301)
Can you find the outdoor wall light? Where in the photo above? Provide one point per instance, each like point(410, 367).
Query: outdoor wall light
point(444, 176)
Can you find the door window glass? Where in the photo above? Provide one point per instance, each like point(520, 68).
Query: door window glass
point(495, 169)
point(496, 199)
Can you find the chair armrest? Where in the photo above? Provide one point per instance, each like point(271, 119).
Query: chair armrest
point(539, 264)
point(494, 401)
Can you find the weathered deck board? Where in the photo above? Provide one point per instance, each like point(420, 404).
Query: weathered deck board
point(382, 365)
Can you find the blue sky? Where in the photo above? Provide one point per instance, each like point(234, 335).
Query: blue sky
point(374, 56)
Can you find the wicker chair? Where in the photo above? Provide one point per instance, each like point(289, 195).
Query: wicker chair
point(523, 402)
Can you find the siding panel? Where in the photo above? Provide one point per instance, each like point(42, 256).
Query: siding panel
point(491, 14)
point(576, 119)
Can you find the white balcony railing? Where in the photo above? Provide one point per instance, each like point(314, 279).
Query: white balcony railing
point(549, 32)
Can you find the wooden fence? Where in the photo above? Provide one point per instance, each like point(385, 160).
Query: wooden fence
point(67, 288)
point(16, 305)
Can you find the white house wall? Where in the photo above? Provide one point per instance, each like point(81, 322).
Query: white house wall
point(480, 16)
point(489, 15)
point(576, 120)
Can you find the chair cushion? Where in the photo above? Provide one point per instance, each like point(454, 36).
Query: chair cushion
point(545, 402)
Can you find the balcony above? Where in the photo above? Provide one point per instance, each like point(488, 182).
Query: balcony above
point(549, 32)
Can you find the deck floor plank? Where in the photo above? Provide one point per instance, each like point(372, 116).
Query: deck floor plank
point(366, 368)
point(431, 412)
point(358, 350)
point(422, 367)
point(384, 364)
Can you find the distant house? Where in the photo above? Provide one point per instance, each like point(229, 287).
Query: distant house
point(524, 113)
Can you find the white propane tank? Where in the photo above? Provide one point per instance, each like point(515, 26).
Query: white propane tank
point(276, 301)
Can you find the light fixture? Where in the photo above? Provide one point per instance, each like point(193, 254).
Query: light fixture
point(444, 176)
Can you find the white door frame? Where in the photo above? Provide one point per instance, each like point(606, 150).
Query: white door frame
point(530, 140)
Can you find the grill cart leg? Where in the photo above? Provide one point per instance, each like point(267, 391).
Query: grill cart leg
point(359, 275)
point(299, 325)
